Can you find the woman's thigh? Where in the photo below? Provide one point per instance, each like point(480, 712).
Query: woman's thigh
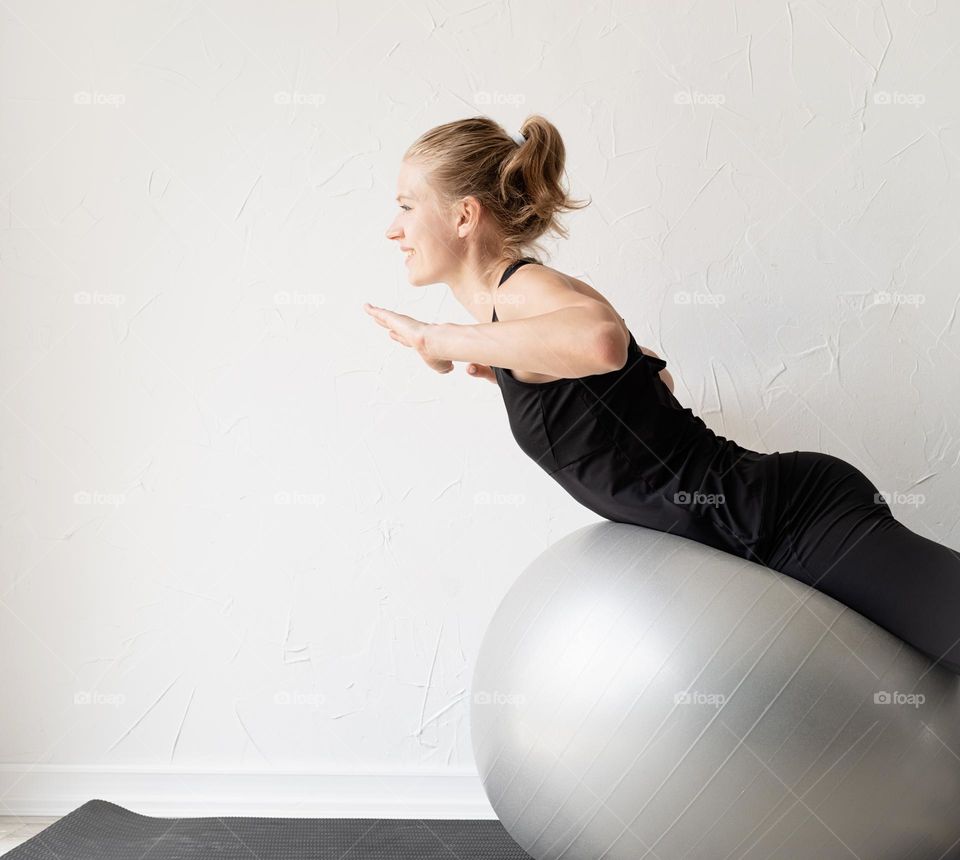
point(837, 534)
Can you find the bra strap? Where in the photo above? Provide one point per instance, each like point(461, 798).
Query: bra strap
point(516, 264)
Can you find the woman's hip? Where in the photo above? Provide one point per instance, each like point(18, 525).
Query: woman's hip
point(821, 497)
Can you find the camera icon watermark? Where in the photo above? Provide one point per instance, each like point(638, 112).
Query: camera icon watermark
point(87, 298)
point(85, 97)
point(94, 697)
point(287, 97)
point(696, 697)
point(486, 97)
point(891, 497)
point(684, 297)
point(684, 497)
point(501, 299)
point(882, 297)
point(695, 97)
point(765, 300)
point(885, 97)
point(488, 497)
point(287, 297)
point(886, 697)
point(496, 697)
point(95, 497)
point(290, 698)
point(291, 497)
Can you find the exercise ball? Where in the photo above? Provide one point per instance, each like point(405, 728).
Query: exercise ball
point(641, 695)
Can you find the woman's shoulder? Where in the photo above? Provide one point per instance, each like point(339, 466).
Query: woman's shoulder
point(538, 289)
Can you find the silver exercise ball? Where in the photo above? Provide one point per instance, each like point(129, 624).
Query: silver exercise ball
point(641, 695)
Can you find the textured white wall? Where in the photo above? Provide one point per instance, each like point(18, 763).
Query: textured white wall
point(241, 527)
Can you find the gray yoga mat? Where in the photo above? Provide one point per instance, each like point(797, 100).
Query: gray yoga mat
point(99, 830)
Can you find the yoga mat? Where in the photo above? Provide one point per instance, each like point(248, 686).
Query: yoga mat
point(99, 830)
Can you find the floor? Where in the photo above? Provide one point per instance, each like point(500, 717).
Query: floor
point(14, 830)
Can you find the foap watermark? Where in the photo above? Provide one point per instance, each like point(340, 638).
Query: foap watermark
point(695, 97)
point(891, 497)
point(95, 497)
point(85, 97)
point(94, 697)
point(885, 97)
point(286, 297)
point(764, 300)
point(491, 497)
point(684, 297)
point(497, 697)
point(501, 298)
point(87, 298)
point(290, 698)
point(287, 97)
point(291, 497)
point(885, 697)
point(486, 97)
point(884, 298)
point(698, 697)
point(697, 498)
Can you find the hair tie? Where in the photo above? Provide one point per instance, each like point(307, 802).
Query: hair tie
point(518, 137)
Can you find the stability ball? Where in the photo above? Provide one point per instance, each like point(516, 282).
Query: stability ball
point(641, 695)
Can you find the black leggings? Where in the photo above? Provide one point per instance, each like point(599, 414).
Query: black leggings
point(835, 532)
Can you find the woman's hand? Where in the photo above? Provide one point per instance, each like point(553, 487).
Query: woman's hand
point(482, 371)
point(410, 332)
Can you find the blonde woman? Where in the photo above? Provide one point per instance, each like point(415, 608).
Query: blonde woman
point(597, 411)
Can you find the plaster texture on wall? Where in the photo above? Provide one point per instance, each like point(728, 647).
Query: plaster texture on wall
point(241, 527)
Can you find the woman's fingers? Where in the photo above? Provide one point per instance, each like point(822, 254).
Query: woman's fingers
point(481, 371)
point(381, 316)
point(391, 321)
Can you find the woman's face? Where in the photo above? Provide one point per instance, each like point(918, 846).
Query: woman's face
point(423, 227)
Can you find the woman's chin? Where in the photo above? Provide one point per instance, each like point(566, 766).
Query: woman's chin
point(418, 277)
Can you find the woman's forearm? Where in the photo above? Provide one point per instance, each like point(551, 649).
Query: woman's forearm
point(570, 342)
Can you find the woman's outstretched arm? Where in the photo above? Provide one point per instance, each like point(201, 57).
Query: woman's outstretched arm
point(573, 341)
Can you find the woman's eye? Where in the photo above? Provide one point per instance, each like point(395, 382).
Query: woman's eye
point(404, 208)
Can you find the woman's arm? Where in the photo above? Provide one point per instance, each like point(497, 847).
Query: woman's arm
point(576, 340)
point(562, 332)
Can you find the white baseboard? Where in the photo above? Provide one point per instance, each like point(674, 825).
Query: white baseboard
point(180, 792)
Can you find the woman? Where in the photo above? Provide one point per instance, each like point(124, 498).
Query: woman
point(597, 412)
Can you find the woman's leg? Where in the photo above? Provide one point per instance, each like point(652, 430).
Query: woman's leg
point(838, 535)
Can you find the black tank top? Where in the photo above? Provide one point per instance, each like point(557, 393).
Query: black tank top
point(623, 446)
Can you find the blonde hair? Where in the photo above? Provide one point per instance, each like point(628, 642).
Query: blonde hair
point(518, 184)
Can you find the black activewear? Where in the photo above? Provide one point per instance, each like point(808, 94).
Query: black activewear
point(622, 445)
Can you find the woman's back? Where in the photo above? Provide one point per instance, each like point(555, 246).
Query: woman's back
point(622, 445)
